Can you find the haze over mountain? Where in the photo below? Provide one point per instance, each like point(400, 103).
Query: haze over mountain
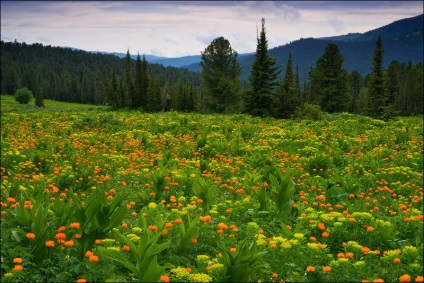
point(402, 41)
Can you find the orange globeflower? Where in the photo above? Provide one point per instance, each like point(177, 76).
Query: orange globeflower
point(349, 255)
point(126, 248)
point(60, 236)
point(396, 260)
point(312, 238)
point(61, 229)
point(310, 268)
point(340, 255)
point(81, 280)
point(69, 243)
point(50, 244)
point(17, 260)
point(321, 226)
point(365, 250)
point(93, 258)
point(168, 225)
point(233, 250)
point(194, 241)
point(30, 236)
point(273, 246)
point(326, 268)
point(153, 228)
point(88, 253)
point(405, 278)
point(164, 278)
point(77, 236)
point(274, 275)
point(378, 280)
point(164, 233)
point(18, 267)
point(419, 279)
point(74, 225)
point(178, 221)
point(98, 242)
point(325, 234)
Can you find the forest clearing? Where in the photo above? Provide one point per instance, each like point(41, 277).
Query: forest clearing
point(90, 195)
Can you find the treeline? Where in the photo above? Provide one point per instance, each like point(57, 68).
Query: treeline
point(78, 76)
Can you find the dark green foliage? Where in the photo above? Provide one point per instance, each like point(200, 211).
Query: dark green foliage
point(220, 73)
point(309, 111)
point(23, 95)
point(290, 97)
point(39, 100)
point(331, 79)
point(377, 95)
point(154, 98)
point(260, 99)
point(129, 94)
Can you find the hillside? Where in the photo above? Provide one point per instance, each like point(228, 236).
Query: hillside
point(402, 41)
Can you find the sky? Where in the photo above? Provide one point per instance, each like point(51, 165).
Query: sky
point(182, 28)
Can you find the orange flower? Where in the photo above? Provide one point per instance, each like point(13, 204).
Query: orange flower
point(126, 248)
point(310, 268)
point(168, 225)
point(178, 221)
point(124, 225)
point(312, 238)
point(233, 250)
point(164, 278)
point(194, 240)
point(396, 260)
point(349, 255)
point(378, 280)
point(219, 231)
point(419, 279)
point(69, 243)
point(326, 268)
point(164, 233)
point(365, 250)
point(81, 280)
point(405, 278)
point(60, 236)
point(11, 200)
point(74, 225)
point(88, 253)
point(370, 229)
point(340, 255)
point(321, 226)
point(18, 267)
point(274, 275)
point(325, 234)
point(77, 236)
point(61, 229)
point(98, 242)
point(152, 228)
point(30, 236)
point(50, 244)
point(189, 270)
point(93, 258)
point(17, 260)
point(273, 246)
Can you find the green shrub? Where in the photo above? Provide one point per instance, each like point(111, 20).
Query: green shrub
point(23, 95)
point(309, 111)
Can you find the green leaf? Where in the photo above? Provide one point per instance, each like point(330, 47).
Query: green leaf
point(117, 256)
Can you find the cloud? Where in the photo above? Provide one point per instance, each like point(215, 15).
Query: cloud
point(336, 24)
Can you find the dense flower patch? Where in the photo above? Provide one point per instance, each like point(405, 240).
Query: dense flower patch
point(126, 197)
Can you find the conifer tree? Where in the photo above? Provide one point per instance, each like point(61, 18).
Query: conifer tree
point(260, 98)
point(144, 83)
point(39, 99)
point(289, 97)
point(220, 73)
point(137, 101)
point(331, 80)
point(376, 85)
point(129, 87)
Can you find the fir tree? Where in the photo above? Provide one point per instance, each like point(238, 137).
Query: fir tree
point(129, 87)
point(39, 100)
point(376, 86)
point(260, 98)
point(331, 80)
point(220, 73)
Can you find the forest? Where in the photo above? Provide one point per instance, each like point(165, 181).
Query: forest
point(68, 75)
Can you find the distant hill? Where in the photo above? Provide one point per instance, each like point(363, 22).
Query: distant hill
point(402, 41)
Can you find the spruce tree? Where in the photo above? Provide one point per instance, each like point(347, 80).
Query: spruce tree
point(220, 73)
point(144, 83)
point(331, 80)
point(39, 99)
point(129, 87)
point(260, 98)
point(137, 101)
point(376, 86)
point(290, 96)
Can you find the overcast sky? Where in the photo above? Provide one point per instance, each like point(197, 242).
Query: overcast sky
point(180, 28)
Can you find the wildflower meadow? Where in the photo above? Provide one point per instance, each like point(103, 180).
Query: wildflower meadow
point(90, 195)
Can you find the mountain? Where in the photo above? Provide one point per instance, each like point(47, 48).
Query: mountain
point(402, 41)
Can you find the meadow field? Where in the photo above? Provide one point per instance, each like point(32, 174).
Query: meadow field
point(90, 195)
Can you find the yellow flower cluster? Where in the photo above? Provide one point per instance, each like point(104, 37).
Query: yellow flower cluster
point(179, 272)
point(200, 277)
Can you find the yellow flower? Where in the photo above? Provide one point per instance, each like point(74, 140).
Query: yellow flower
point(180, 272)
point(200, 277)
point(152, 206)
